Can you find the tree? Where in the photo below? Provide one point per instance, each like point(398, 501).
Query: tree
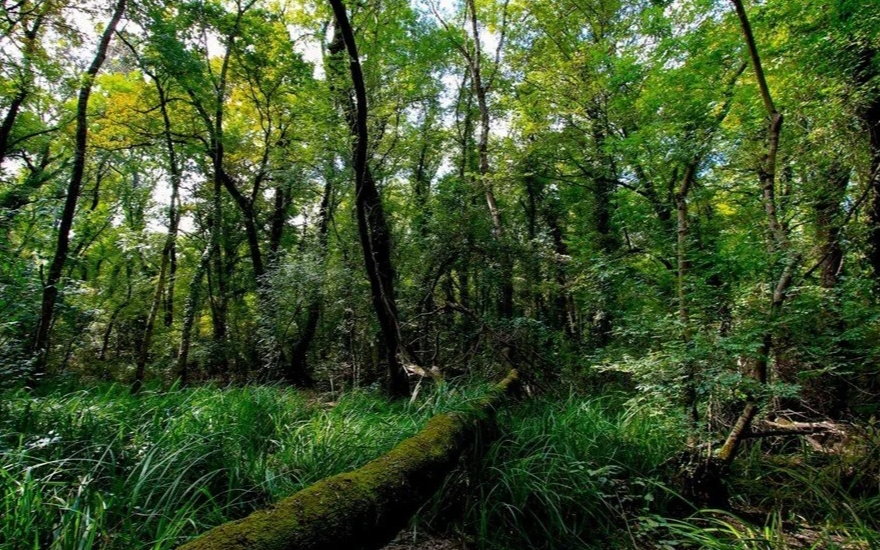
point(53, 276)
point(372, 226)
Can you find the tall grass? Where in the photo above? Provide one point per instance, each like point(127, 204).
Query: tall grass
point(567, 473)
point(99, 468)
point(593, 472)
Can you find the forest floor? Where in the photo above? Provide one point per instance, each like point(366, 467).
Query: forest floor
point(97, 468)
point(405, 541)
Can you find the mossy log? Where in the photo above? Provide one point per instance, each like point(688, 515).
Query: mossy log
point(364, 508)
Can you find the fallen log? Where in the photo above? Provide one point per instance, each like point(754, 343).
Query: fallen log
point(367, 507)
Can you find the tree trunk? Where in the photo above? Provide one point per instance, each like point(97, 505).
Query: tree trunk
point(871, 119)
point(828, 208)
point(778, 236)
point(481, 90)
point(681, 207)
point(189, 314)
point(53, 277)
point(298, 371)
point(279, 218)
point(105, 340)
point(147, 338)
point(373, 228)
point(168, 251)
point(174, 207)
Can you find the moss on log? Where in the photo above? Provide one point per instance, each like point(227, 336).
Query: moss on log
point(364, 508)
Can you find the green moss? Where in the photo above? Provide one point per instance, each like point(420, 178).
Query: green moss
point(363, 508)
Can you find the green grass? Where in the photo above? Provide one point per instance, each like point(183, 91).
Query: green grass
point(99, 468)
point(567, 473)
point(592, 472)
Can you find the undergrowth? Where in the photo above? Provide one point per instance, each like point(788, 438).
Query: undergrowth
point(593, 472)
point(566, 473)
point(99, 468)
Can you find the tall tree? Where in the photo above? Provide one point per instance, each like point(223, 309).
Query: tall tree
point(482, 85)
point(53, 276)
point(373, 227)
point(779, 236)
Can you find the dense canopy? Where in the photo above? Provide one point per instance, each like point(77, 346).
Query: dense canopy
point(681, 198)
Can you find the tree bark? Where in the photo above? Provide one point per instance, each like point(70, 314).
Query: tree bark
point(189, 314)
point(373, 228)
point(681, 207)
point(53, 277)
point(871, 119)
point(828, 206)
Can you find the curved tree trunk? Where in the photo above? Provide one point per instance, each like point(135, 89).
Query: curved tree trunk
point(367, 507)
point(375, 235)
point(53, 277)
point(778, 235)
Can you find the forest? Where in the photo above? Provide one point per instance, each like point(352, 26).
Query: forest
point(440, 274)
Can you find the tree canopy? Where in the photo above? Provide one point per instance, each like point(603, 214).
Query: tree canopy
point(585, 189)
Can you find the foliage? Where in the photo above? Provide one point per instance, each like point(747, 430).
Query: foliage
point(100, 468)
point(582, 188)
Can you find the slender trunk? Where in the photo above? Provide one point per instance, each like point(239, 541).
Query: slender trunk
point(604, 181)
point(532, 269)
point(681, 206)
point(169, 291)
point(105, 340)
point(53, 277)
point(779, 238)
point(871, 119)
point(216, 151)
point(422, 189)
point(463, 266)
point(564, 304)
point(189, 314)
point(298, 371)
point(481, 90)
point(167, 250)
point(147, 338)
point(372, 225)
point(279, 216)
point(170, 249)
point(219, 304)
